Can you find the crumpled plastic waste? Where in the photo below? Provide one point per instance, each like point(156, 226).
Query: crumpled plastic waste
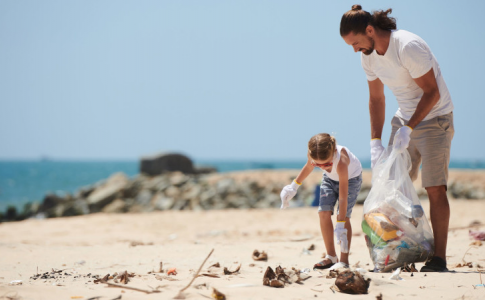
point(477, 235)
point(395, 275)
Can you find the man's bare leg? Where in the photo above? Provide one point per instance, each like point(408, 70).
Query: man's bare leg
point(440, 218)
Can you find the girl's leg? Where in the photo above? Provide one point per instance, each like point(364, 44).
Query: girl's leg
point(344, 257)
point(326, 226)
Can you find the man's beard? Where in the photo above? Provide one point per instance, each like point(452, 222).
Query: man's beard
point(371, 49)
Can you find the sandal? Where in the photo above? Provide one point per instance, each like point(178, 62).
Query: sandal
point(322, 265)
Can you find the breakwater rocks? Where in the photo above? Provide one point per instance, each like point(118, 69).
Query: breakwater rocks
point(204, 191)
point(174, 190)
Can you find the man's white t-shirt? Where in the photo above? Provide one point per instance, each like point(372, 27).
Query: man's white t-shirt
point(407, 57)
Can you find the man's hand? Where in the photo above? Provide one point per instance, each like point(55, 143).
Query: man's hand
point(402, 138)
point(376, 150)
point(288, 193)
point(341, 235)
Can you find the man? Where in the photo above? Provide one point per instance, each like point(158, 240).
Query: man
point(424, 121)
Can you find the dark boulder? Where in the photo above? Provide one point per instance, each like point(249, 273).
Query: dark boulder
point(166, 162)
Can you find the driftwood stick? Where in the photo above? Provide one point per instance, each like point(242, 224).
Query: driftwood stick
point(463, 258)
point(197, 274)
point(131, 288)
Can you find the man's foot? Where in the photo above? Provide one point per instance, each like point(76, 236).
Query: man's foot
point(436, 264)
point(326, 263)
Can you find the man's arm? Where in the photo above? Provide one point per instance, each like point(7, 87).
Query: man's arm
point(431, 96)
point(377, 108)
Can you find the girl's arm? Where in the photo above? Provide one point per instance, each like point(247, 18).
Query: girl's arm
point(343, 176)
point(305, 171)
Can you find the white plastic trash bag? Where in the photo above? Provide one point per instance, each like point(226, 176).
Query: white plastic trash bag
point(396, 229)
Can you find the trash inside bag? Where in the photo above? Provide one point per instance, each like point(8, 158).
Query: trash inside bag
point(396, 229)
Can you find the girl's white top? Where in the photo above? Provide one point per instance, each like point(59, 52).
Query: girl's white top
point(355, 168)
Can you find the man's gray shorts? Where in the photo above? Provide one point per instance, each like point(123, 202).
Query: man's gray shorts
point(329, 194)
point(430, 143)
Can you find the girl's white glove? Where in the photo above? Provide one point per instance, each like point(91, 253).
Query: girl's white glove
point(376, 150)
point(341, 235)
point(287, 193)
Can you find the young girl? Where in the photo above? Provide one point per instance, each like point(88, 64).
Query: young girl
point(342, 179)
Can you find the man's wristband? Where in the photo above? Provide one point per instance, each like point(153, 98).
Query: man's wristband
point(299, 183)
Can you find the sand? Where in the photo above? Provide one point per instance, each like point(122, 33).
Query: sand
point(102, 244)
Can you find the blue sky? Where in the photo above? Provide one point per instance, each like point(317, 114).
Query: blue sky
point(212, 79)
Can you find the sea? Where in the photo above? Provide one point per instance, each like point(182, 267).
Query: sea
point(22, 182)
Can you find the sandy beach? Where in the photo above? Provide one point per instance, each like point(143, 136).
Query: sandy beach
point(100, 244)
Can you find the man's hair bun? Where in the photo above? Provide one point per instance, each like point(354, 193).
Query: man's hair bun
point(356, 7)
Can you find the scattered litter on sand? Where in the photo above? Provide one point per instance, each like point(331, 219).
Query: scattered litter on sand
point(227, 272)
point(409, 268)
point(172, 271)
point(210, 275)
point(15, 282)
point(395, 275)
point(260, 256)
point(477, 235)
point(476, 243)
point(281, 276)
point(218, 295)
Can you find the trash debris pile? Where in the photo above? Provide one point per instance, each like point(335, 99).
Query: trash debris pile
point(396, 229)
point(280, 276)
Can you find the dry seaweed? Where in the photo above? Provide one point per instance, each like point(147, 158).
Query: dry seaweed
point(218, 295)
point(280, 277)
point(216, 265)
point(276, 283)
point(260, 256)
point(476, 243)
point(102, 280)
point(227, 272)
point(210, 275)
point(332, 274)
point(269, 275)
point(409, 268)
point(123, 277)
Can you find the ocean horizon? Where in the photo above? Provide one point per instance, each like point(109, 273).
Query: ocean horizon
point(25, 181)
